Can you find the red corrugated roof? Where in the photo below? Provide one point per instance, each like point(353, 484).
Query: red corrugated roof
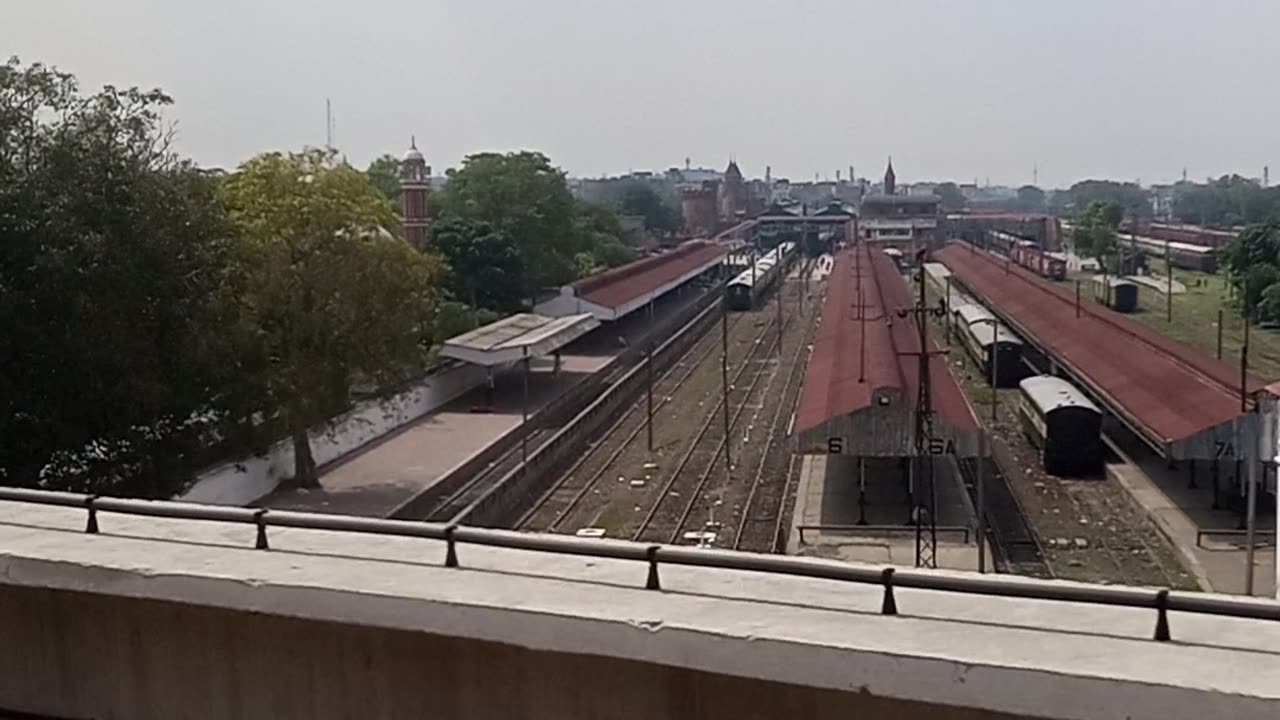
point(616, 287)
point(844, 374)
point(1171, 390)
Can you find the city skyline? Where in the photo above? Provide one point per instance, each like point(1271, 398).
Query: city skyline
point(963, 91)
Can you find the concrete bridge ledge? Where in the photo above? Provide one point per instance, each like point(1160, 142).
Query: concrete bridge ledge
point(1023, 658)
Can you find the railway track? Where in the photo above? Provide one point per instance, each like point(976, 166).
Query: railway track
point(580, 497)
point(1016, 549)
point(760, 526)
point(669, 514)
point(551, 510)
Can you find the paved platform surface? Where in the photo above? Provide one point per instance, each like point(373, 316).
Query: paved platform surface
point(1180, 511)
point(378, 478)
point(827, 495)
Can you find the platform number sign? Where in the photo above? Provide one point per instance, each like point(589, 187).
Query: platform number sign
point(1223, 449)
point(937, 446)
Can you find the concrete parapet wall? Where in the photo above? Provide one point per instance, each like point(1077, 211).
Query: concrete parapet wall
point(79, 655)
point(243, 481)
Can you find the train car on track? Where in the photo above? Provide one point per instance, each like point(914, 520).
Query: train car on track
point(996, 350)
point(896, 256)
point(1181, 255)
point(1030, 255)
point(1063, 423)
point(1116, 293)
point(745, 289)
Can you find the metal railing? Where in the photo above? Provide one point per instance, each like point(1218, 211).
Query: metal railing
point(1162, 601)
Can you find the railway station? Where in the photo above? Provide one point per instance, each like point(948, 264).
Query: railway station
point(866, 476)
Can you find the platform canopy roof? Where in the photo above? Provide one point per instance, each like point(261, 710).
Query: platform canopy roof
point(516, 337)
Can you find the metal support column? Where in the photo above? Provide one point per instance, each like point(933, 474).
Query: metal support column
point(982, 505)
point(648, 361)
point(1251, 516)
point(724, 377)
point(524, 409)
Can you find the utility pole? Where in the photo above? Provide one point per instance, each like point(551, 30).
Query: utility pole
point(926, 527)
point(724, 377)
point(648, 361)
point(1254, 458)
point(1168, 270)
point(982, 503)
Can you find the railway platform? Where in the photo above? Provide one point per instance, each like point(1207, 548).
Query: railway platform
point(384, 475)
point(379, 477)
point(832, 519)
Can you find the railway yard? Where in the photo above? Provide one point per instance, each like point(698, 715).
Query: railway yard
point(749, 377)
point(680, 492)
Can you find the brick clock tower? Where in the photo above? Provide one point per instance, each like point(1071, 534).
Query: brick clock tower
point(415, 179)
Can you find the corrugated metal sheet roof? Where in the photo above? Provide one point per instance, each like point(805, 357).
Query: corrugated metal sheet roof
point(1172, 391)
point(616, 287)
point(1050, 393)
point(518, 336)
point(862, 377)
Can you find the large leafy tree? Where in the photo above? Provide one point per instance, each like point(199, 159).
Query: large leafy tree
point(1132, 200)
point(952, 198)
point(522, 196)
point(1229, 200)
point(325, 291)
point(384, 175)
point(485, 269)
point(109, 289)
point(660, 215)
point(1094, 231)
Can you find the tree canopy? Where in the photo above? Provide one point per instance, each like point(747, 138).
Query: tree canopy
point(1094, 231)
point(1252, 264)
point(384, 176)
point(952, 198)
point(660, 215)
point(1132, 200)
point(109, 288)
point(485, 270)
point(1228, 201)
point(520, 196)
point(330, 296)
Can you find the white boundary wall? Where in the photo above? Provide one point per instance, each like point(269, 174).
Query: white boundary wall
point(243, 481)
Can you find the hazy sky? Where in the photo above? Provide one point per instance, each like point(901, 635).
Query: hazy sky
point(968, 89)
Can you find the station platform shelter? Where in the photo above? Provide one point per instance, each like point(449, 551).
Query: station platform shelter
point(614, 294)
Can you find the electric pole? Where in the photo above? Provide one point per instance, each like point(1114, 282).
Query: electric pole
point(926, 502)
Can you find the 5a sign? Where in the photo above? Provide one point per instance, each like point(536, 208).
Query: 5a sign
point(936, 446)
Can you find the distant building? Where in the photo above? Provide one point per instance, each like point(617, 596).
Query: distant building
point(733, 195)
point(415, 181)
point(698, 208)
point(905, 222)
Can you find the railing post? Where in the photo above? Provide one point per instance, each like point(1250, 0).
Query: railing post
point(890, 604)
point(451, 549)
point(1162, 616)
point(260, 519)
point(652, 582)
point(91, 527)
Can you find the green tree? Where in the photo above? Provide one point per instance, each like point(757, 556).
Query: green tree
point(598, 236)
point(484, 266)
point(660, 216)
point(324, 289)
point(1269, 304)
point(952, 198)
point(109, 289)
point(524, 197)
point(1094, 230)
point(384, 175)
point(1031, 199)
point(1132, 200)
